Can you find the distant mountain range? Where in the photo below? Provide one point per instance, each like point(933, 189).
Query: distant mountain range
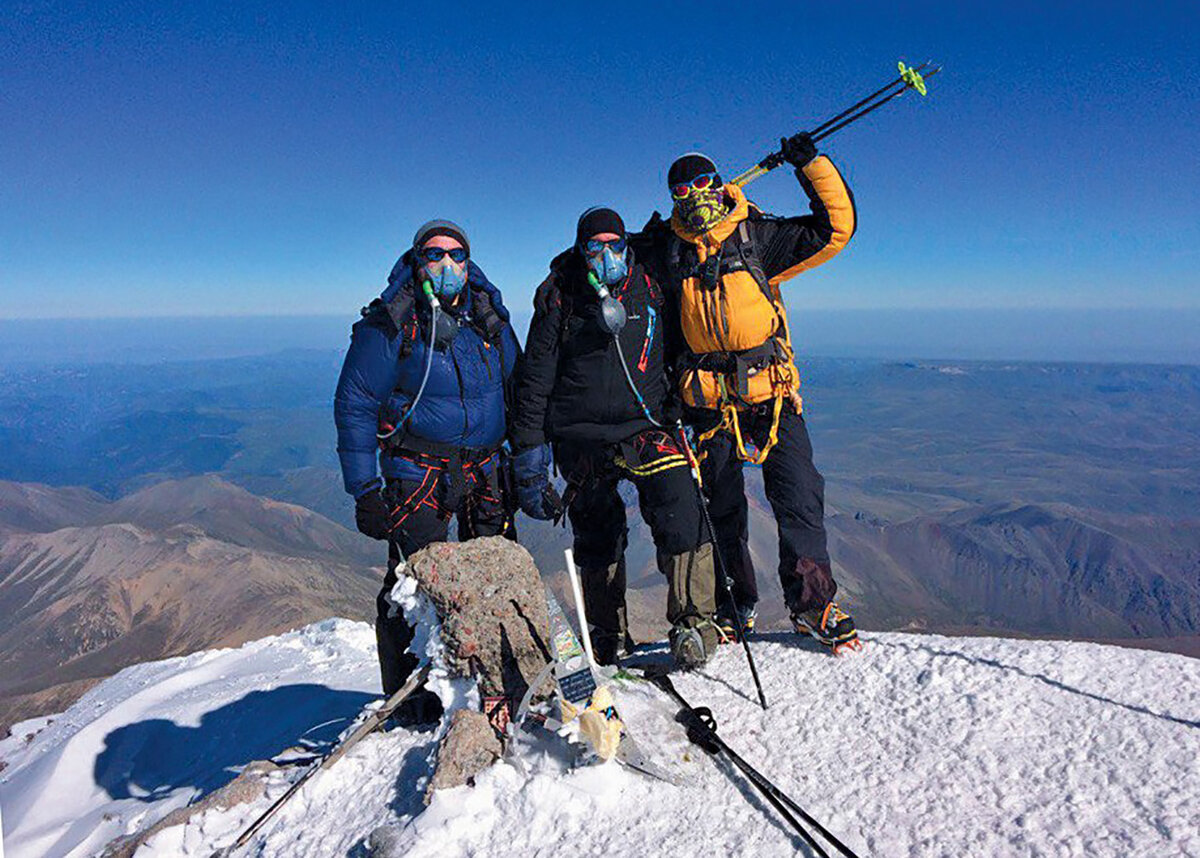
point(88, 586)
point(199, 503)
point(1031, 570)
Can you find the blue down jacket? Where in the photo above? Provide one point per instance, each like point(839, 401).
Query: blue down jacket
point(463, 405)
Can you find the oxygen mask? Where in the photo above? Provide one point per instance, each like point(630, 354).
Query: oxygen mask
point(612, 316)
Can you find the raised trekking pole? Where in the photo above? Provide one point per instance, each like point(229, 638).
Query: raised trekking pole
point(720, 560)
point(911, 77)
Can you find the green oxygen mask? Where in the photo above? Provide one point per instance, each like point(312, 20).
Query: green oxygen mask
point(612, 314)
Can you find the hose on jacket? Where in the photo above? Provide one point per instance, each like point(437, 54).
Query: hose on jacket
point(427, 288)
point(612, 319)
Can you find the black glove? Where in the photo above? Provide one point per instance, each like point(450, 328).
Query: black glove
point(372, 516)
point(536, 496)
point(798, 149)
point(552, 505)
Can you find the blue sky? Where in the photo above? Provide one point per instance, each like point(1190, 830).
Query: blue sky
point(229, 158)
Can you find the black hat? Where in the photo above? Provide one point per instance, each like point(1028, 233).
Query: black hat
point(441, 227)
point(596, 220)
point(688, 167)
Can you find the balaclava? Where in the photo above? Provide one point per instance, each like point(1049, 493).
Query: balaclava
point(700, 210)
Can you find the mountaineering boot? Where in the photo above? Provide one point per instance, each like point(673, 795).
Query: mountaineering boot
point(807, 583)
point(624, 647)
point(732, 627)
point(747, 616)
point(687, 647)
point(830, 625)
point(604, 600)
point(422, 711)
point(691, 603)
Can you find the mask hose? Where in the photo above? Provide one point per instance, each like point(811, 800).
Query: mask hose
point(637, 394)
point(427, 288)
point(612, 315)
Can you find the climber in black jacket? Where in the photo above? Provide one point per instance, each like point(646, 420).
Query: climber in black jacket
point(594, 385)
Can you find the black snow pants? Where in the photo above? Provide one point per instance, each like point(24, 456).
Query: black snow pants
point(655, 463)
point(423, 518)
point(794, 488)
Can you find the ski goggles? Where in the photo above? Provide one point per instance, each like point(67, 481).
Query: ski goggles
point(701, 183)
point(436, 254)
point(595, 245)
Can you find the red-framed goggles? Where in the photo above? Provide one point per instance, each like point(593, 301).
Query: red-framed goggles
point(701, 183)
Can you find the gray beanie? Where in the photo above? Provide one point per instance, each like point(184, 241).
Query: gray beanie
point(441, 227)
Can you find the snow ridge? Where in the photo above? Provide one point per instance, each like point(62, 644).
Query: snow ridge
point(920, 745)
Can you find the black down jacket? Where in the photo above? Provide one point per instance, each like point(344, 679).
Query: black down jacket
point(570, 385)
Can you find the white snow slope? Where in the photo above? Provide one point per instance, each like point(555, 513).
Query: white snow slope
point(918, 746)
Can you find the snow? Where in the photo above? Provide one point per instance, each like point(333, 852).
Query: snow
point(157, 735)
point(918, 746)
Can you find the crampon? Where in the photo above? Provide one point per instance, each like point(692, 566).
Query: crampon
point(830, 626)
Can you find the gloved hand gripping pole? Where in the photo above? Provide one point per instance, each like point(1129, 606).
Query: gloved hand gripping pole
point(911, 77)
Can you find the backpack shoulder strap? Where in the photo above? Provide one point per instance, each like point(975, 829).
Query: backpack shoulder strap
point(402, 308)
point(566, 304)
point(551, 295)
point(653, 290)
point(397, 316)
point(743, 245)
point(681, 259)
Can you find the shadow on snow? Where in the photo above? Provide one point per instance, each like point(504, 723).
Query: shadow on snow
point(150, 759)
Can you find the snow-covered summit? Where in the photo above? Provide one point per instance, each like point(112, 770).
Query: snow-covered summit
point(920, 745)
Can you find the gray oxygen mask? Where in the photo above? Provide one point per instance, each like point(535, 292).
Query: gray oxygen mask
point(612, 316)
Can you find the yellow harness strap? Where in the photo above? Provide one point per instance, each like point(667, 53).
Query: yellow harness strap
point(730, 423)
point(665, 463)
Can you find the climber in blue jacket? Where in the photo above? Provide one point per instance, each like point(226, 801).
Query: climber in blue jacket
point(423, 394)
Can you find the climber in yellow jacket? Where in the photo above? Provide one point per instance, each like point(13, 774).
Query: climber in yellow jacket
point(722, 260)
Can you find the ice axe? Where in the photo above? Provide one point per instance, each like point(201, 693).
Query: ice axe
point(911, 77)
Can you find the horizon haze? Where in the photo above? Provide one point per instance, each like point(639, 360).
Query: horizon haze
point(1073, 335)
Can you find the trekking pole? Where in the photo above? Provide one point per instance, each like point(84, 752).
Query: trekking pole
point(585, 633)
point(911, 77)
point(720, 560)
point(702, 730)
point(372, 723)
point(920, 87)
point(897, 81)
